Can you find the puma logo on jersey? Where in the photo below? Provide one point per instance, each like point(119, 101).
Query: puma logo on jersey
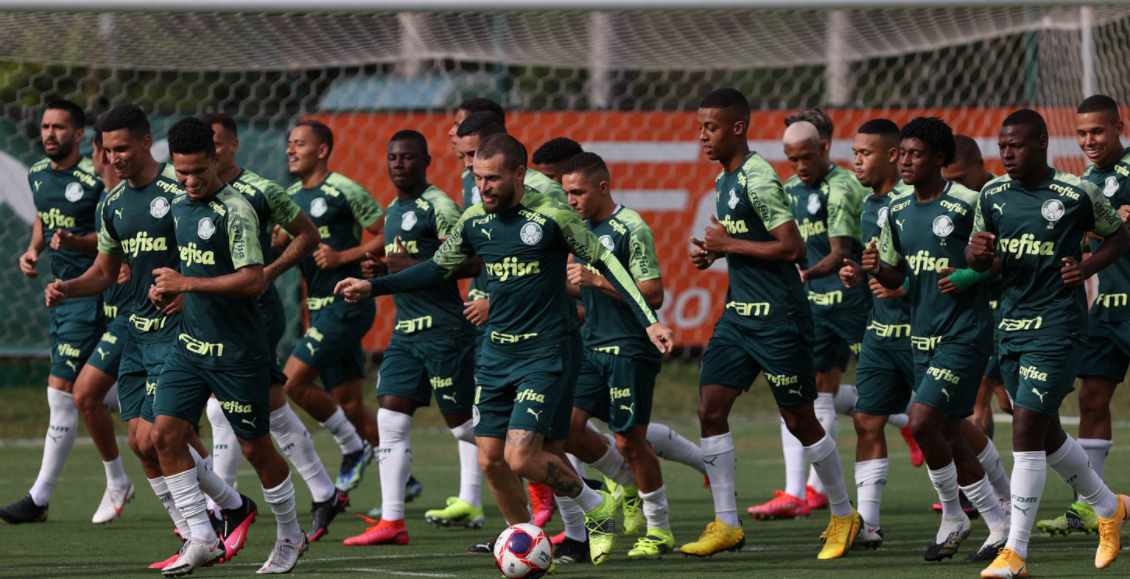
point(313, 350)
point(118, 213)
point(999, 208)
point(899, 222)
point(37, 184)
point(72, 364)
point(797, 392)
point(250, 422)
point(486, 232)
point(631, 408)
point(451, 397)
point(537, 415)
point(946, 393)
point(1040, 394)
point(102, 353)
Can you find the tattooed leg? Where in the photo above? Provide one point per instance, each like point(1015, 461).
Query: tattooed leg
point(531, 457)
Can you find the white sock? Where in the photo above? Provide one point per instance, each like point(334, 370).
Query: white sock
point(116, 477)
point(845, 399)
point(162, 491)
point(61, 431)
point(613, 466)
point(111, 399)
point(226, 453)
point(898, 421)
point(578, 465)
point(991, 463)
point(470, 475)
point(212, 485)
point(870, 478)
point(1097, 450)
point(945, 482)
point(573, 517)
point(1029, 471)
point(294, 440)
point(826, 460)
point(719, 459)
point(825, 409)
point(281, 499)
point(670, 445)
point(191, 504)
point(655, 509)
point(984, 498)
point(1071, 464)
point(394, 460)
point(343, 432)
point(589, 499)
point(794, 463)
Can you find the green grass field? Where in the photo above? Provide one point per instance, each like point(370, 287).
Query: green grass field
point(68, 545)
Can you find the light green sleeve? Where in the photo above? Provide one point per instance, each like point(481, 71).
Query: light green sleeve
point(243, 232)
point(642, 261)
point(546, 186)
point(283, 210)
point(108, 241)
point(845, 208)
point(365, 209)
point(978, 216)
point(1107, 220)
point(457, 250)
point(763, 187)
point(583, 244)
point(889, 247)
point(446, 213)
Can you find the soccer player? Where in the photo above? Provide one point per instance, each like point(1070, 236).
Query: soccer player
point(619, 366)
point(1099, 127)
point(884, 376)
point(550, 158)
point(968, 170)
point(431, 350)
point(826, 201)
point(924, 235)
point(136, 227)
point(221, 348)
point(766, 325)
point(66, 192)
point(272, 207)
point(331, 348)
point(528, 363)
point(467, 108)
point(1034, 220)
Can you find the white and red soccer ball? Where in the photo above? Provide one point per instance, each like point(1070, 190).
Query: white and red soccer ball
point(523, 552)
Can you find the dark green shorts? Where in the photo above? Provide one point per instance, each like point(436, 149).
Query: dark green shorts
point(1108, 351)
point(837, 337)
point(993, 368)
point(244, 394)
point(75, 326)
point(138, 373)
point(274, 318)
point(332, 345)
point(616, 389)
point(107, 355)
point(527, 390)
point(948, 379)
point(736, 354)
point(884, 379)
point(1039, 372)
point(414, 369)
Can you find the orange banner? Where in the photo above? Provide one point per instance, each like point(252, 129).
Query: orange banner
point(657, 168)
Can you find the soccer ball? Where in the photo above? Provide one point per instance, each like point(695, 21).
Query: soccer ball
point(523, 552)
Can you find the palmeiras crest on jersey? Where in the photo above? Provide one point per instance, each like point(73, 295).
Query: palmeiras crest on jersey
point(73, 192)
point(318, 207)
point(205, 229)
point(1053, 211)
point(530, 233)
point(408, 221)
point(1110, 186)
point(159, 207)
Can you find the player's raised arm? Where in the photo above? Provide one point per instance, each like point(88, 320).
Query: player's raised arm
point(303, 234)
point(979, 253)
point(1115, 240)
point(100, 276)
point(768, 198)
point(885, 262)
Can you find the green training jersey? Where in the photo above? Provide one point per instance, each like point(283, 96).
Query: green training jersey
point(750, 204)
point(117, 299)
point(537, 181)
point(524, 250)
point(272, 207)
point(829, 209)
point(924, 237)
point(1036, 228)
point(136, 224)
point(471, 198)
point(888, 324)
point(418, 224)
point(218, 236)
point(341, 209)
point(1114, 281)
point(610, 325)
point(66, 199)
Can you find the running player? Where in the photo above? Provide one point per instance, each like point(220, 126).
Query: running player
point(431, 349)
point(1034, 220)
point(66, 193)
point(925, 232)
point(221, 349)
point(550, 158)
point(619, 364)
point(1099, 126)
point(968, 170)
point(136, 227)
point(766, 325)
point(331, 348)
point(527, 367)
point(272, 208)
point(884, 375)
